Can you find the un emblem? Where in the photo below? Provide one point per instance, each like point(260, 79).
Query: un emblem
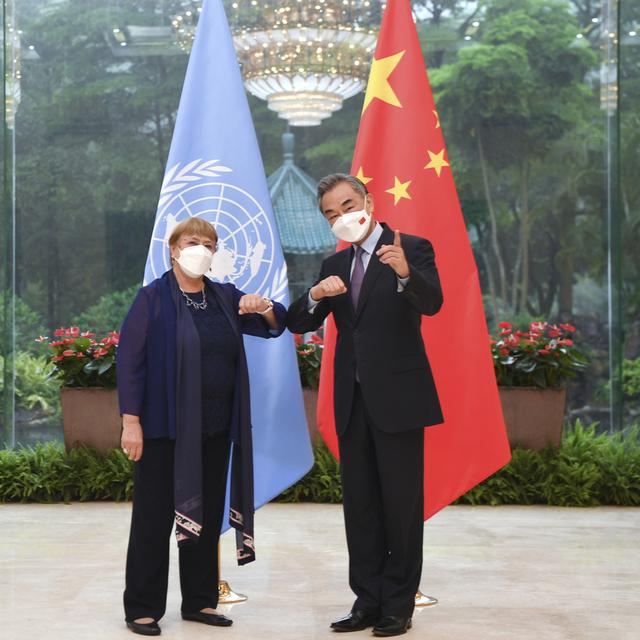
point(246, 244)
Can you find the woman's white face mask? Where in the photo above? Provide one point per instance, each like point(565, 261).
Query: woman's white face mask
point(352, 226)
point(195, 260)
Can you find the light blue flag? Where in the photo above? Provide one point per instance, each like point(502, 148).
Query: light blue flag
point(215, 171)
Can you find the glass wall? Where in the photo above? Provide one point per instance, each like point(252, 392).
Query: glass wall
point(540, 105)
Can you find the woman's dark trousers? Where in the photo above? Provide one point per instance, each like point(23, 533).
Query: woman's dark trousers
point(152, 520)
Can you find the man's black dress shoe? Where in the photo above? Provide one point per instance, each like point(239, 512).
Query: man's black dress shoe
point(392, 626)
point(214, 619)
point(144, 629)
point(357, 620)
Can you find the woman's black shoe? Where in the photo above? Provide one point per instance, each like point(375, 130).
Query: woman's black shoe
point(214, 619)
point(145, 628)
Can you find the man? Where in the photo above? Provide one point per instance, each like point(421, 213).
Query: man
point(384, 395)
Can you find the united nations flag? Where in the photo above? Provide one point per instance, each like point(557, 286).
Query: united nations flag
point(215, 172)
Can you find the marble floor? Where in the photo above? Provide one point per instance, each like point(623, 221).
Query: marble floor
point(515, 573)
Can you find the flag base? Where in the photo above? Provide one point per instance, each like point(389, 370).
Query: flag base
point(226, 595)
point(425, 601)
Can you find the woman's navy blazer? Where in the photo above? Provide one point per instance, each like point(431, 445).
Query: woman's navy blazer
point(146, 357)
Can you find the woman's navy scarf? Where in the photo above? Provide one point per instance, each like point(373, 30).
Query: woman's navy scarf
point(185, 343)
point(187, 483)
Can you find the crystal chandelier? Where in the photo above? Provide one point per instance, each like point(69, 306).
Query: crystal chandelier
point(303, 57)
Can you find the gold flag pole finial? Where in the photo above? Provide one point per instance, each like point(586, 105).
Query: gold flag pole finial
point(226, 595)
point(425, 601)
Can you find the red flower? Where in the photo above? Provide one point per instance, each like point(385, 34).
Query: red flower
point(568, 327)
point(79, 354)
point(56, 343)
point(297, 339)
point(69, 353)
point(58, 332)
point(316, 339)
point(504, 351)
point(74, 331)
point(68, 341)
point(544, 352)
point(57, 358)
point(101, 352)
point(41, 339)
point(553, 333)
point(87, 334)
point(505, 325)
point(565, 342)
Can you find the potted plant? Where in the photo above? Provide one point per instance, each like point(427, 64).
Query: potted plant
point(86, 370)
point(532, 368)
point(309, 359)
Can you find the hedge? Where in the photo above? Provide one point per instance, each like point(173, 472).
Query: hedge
point(588, 469)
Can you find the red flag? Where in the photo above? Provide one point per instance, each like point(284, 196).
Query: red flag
point(401, 156)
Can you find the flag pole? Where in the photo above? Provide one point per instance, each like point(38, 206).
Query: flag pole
point(226, 595)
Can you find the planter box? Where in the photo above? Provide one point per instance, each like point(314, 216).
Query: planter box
point(533, 416)
point(91, 416)
point(310, 407)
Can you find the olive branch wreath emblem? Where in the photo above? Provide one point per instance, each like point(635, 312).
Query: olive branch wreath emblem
point(176, 179)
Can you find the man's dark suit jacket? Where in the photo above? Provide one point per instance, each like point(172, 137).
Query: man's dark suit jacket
point(381, 337)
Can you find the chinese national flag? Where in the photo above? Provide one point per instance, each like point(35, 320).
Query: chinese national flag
point(401, 156)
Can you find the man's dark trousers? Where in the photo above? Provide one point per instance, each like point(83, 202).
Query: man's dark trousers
point(382, 479)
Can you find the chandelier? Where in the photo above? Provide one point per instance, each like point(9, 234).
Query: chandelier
point(303, 57)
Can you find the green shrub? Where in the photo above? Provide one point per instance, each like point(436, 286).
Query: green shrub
point(35, 388)
point(631, 379)
point(321, 484)
point(46, 473)
point(108, 313)
point(630, 382)
point(588, 469)
point(29, 326)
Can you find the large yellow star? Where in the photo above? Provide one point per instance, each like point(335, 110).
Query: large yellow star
point(378, 85)
point(399, 190)
point(360, 175)
point(436, 162)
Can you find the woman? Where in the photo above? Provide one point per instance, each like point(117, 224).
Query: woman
point(183, 387)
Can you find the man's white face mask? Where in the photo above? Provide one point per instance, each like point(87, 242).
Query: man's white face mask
point(352, 226)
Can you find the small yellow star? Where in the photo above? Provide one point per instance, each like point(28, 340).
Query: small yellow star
point(360, 175)
point(435, 113)
point(436, 162)
point(378, 85)
point(399, 190)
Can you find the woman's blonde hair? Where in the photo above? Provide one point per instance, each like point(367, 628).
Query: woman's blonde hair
point(193, 227)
